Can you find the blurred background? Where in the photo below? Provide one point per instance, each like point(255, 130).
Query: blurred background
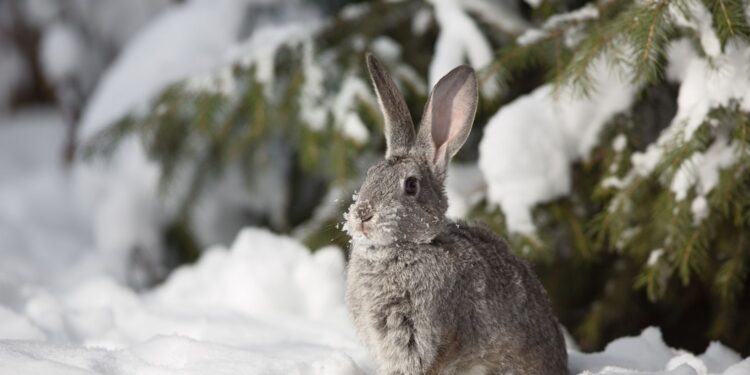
point(610, 147)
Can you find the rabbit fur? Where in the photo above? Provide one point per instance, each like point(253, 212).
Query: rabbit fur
point(429, 295)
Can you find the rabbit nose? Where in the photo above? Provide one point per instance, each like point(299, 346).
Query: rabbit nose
point(364, 214)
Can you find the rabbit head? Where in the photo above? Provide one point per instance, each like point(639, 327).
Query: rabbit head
point(403, 198)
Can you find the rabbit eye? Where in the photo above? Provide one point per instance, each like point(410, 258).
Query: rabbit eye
point(411, 186)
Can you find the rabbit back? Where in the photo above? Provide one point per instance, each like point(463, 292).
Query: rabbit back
point(504, 313)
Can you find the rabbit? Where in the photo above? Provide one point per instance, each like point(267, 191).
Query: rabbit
point(429, 295)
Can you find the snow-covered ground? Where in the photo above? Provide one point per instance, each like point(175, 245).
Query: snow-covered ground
point(44, 234)
point(264, 306)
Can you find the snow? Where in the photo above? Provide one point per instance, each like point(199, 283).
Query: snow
point(572, 34)
point(352, 90)
point(619, 143)
point(386, 48)
point(533, 3)
point(312, 92)
point(654, 257)
point(529, 144)
point(352, 11)
point(694, 15)
point(504, 15)
point(61, 51)
point(198, 34)
point(40, 12)
point(531, 36)
point(259, 50)
point(702, 169)
point(261, 47)
point(265, 305)
point(421, 22)
point(459, 40)
point(44, 234)
point(705, 85)
point(205, 39)
point(584, 13)
point(717, 357)
point(710, 84)
point(59, 225)
point(464, 187)
point(79, 39)
point(527, 129)
point(648, 354)
point(111, 22)
point(126, 213)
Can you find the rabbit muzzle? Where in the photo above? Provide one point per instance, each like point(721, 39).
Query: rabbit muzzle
point(359, 221)
point(364, 213)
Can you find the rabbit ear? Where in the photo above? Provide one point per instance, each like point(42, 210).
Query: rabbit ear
point(448, 117)
point(399, 128)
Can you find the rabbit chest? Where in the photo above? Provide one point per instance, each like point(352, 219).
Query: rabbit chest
point(400, 298)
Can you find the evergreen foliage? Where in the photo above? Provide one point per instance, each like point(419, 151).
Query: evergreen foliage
point(622, 251)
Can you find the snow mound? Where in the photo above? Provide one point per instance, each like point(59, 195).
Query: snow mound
point(146, 67)
point(529, 144)
point(648, 354)
point(266, 305)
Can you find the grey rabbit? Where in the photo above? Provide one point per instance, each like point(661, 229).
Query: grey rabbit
point(429, 295)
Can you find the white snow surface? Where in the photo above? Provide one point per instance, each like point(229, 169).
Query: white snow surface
point(586, 12)
point(145, 66)
point(694, 15)
point(702, 169)
point(43, 233)
point(710, 84)
point(61, 51)
point(344, 107)
point(464, 187)
point(59, 224)
point(266, 305)
point(459, 41)
point(529, 144)
point(198, 39)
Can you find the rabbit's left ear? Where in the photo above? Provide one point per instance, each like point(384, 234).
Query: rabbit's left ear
point(399, 129)
point(448, 117)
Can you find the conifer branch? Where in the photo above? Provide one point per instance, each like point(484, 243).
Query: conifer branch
point(729, 19)
point(652, 30)
point(726, 16)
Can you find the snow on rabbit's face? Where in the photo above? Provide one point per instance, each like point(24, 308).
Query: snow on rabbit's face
point(400, 201)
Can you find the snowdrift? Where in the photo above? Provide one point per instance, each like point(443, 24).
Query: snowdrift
point(267, 305)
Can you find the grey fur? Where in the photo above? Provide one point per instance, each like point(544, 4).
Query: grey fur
point(433, 296)
point(399, 128)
